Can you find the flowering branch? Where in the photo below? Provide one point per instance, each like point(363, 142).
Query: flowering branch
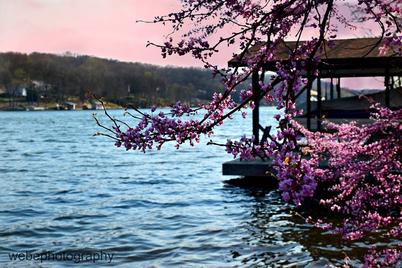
point(364, 162)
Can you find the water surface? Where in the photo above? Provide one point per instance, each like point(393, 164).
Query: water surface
point(63, 190)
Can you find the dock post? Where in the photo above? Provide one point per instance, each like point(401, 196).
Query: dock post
point(318, 103)
point(256, 110)
point(332, 89)
point(392, 82)
point(338, 88)
point(308, 99)
point(387, 88)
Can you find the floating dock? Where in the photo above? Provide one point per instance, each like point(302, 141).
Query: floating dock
point(249, 168)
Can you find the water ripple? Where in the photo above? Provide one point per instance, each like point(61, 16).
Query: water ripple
point(62, 190)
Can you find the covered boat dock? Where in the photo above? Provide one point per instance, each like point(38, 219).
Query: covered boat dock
point(343, 58)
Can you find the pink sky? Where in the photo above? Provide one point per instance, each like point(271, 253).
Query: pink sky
point(103, 28)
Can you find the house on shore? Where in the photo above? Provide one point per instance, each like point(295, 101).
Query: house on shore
point(96, 105)
point(70, 105)
point(18, 91)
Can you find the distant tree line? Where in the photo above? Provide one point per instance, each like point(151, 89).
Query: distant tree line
point(57, 77)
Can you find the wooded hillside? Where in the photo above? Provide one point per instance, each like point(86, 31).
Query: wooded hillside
point(57, 77)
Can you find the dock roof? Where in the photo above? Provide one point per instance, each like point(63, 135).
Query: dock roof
point(344, 57)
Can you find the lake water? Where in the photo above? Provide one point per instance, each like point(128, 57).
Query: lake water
point(64, 191)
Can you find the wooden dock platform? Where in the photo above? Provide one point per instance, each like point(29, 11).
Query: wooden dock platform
point(250, 168)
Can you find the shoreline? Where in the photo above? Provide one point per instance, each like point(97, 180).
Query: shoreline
point(43, 109)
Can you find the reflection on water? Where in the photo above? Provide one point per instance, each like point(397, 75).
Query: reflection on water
point(63, 190)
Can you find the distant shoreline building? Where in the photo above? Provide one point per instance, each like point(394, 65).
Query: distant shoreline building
point(70, 105)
